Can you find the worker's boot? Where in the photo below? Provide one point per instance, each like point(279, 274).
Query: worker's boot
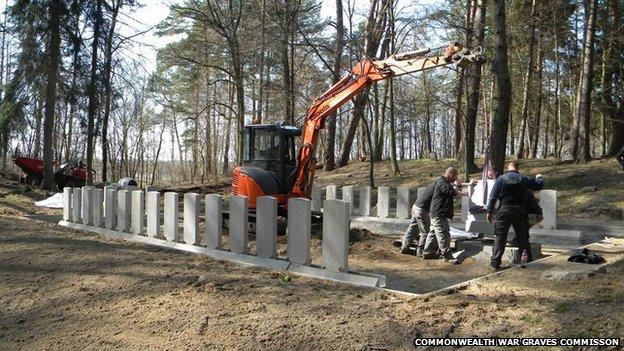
point(430, 255)
point(405, 250)
point(450, 259)
point(419, 252)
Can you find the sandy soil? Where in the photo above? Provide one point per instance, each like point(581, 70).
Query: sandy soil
point(63, 289)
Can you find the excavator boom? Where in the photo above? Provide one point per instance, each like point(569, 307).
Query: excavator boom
point(363, 74)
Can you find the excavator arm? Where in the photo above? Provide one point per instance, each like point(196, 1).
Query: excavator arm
point(363, 74)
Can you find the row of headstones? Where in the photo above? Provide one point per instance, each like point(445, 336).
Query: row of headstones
point(130, 212)
point(403, 203)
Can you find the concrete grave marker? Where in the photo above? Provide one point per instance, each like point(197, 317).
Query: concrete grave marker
point(98, 202)
point(191, 219)
point(330, 192)
point(67, 204)
point(383, 202)
point(138, 213)
point(214, 221)
point(317, 198)
point(172, 206)
point(266, 227)
point(76, 205)
point(403, 203)
point(123, 210)
point(336, 235)
point(153, 214)
point(347, 195)
point(548, 203)
point(110, 207)
point(365, 201)
point(299, 230)
point(238, 224)
point(87, 205)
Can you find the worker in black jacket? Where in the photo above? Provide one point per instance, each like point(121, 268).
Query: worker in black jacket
point(440, 212)
point(420, 223)
point(511, 190)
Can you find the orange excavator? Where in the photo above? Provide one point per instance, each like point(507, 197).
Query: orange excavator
point(270, 167)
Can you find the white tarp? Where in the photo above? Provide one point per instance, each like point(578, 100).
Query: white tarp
point(54, 201)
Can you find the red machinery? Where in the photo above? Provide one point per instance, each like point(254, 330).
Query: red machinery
point(269, 165)
point(67, 175)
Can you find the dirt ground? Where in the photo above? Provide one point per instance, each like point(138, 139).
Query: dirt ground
point(63, 289)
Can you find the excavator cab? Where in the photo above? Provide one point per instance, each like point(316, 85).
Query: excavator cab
point(269, 161)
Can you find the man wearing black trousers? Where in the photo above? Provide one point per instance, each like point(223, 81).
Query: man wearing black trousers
point(511, 190)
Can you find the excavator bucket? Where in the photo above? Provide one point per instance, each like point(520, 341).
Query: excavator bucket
point(467, 57)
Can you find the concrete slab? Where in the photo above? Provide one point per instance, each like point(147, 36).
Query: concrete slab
point(299, 229)
point(266, 227)
point(352, 278)
point(191, 219)
point(335, 248)
point(214, 221)
point(238, 224)
point(172, 204)
point(153, 214)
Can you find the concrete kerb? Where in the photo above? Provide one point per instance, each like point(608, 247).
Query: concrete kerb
point(352, 278)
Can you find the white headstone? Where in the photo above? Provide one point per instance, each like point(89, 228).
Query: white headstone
point(123, 210)
point(548, 203)
point(347, 195)
point(299, 230)
point(403, 203)
point(172, 205)
point(67, 203)
point(365, 201)
point(383, 202)
point(76, 205)
point(214, 221)
point(266, 227)
point(98, 204)
point(87, 203)
point(138, 213)
point(317, 198)
point(191, 219)
point(153, 214)
point(330, 192)
point(336, 235)
point(238, 224)
point(110, 210)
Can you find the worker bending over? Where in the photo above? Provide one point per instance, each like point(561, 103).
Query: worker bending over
point(441, 211)
point(511, 189)
point(420, 223)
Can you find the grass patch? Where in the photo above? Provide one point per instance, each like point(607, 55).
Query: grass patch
point(531, 319)
point(562, 308)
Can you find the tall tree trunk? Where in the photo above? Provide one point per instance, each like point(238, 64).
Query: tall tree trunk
point(557, 117)
point(54, 53)
point(93, 95)
point(535, 133)
point(330, 131)
point(613, 83)
point(500, 68)
point(474, 90)
point(527, 83)
point(586, 87)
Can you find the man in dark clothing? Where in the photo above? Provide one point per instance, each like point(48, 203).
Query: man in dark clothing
point(420, 223)
point(441, 211)
point(511, 189)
